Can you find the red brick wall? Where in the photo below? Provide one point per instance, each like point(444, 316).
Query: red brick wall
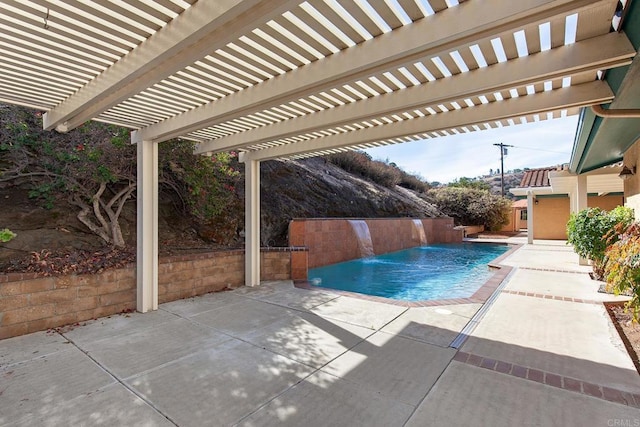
point(332, 240)
point(29, 303)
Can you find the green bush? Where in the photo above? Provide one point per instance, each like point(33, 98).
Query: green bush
point(6, 235)
point(622, 265)
point(588, 232)
point(470, 206)
point(474, 183)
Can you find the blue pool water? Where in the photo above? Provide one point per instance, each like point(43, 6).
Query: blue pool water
point(422, 273)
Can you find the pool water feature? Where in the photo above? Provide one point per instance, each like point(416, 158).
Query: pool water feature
point(418, 228)
point(433, 272)
point(363, 237)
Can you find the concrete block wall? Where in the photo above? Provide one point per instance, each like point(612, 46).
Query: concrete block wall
point(333, 240)
point(29, 303)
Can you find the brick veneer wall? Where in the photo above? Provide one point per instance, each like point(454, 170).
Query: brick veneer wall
point(29, 303)
point(333, 240)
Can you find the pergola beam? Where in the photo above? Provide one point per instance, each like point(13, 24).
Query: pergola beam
point(608, 51)
point(432, 36)
point(574, 96)
point(200, 30)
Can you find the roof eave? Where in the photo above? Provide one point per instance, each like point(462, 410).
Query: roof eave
point(524, 191)
point(603, 141)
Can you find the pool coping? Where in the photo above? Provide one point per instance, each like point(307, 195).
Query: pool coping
point(480, 296)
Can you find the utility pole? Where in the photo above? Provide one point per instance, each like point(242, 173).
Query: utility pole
point(503, 152)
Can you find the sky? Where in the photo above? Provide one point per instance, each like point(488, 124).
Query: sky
point(443, 159)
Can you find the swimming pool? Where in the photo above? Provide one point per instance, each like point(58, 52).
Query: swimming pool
point(433, 272)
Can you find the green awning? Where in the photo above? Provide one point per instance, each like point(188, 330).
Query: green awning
point(603, 141)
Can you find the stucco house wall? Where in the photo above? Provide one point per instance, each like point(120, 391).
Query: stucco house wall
point(607, 202)
point(550, 214)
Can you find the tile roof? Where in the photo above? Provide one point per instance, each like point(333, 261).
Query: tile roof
point(536, 177)
point(519, 203)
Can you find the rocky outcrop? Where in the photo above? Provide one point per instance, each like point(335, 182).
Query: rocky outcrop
point(315, 188)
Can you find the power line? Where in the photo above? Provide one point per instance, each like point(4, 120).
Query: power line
point(539, 149)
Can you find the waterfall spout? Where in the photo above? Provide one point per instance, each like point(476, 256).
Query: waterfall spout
point(417, 233)
point(363, 237)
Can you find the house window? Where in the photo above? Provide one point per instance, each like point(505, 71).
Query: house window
point(523, 215)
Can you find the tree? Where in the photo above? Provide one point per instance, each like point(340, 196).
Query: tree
point(474, 183)
point(469, 206)
point(94, 168)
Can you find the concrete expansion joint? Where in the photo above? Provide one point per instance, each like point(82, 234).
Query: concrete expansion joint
point(553, 270)
point(552, 297)
point(118, 380)
point(601, 392)
point(475, 320)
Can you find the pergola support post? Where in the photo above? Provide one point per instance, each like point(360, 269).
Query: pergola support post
point(147, 227)
point(252, 222)
point(530, 217)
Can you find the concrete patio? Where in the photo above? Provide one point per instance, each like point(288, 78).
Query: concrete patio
point(543, 353)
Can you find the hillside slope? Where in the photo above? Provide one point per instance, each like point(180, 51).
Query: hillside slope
point(511, 180)
point(289, 189)
point(317, 188)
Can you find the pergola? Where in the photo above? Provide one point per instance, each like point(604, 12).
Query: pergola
point(289, 79)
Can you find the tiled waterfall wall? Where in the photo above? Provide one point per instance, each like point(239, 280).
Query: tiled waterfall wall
point(333, 240)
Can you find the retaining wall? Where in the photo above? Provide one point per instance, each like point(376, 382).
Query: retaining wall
point(29, 303)
point(333, 240)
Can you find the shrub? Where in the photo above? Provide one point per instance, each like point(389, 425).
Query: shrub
point(6, 235)
point(474, 183)
point(469, 206)
point(413, 182)
point(622, 265)
point(587, 232)
point(359, 163)
point(385, 173)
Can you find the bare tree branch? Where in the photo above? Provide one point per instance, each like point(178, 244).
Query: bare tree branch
point(83, 217)
point(96, 206)
point(125, 197)
point(119, 194)
point(25, 175)
point(176, 190)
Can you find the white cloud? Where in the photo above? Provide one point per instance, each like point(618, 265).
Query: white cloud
point(546, 143)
